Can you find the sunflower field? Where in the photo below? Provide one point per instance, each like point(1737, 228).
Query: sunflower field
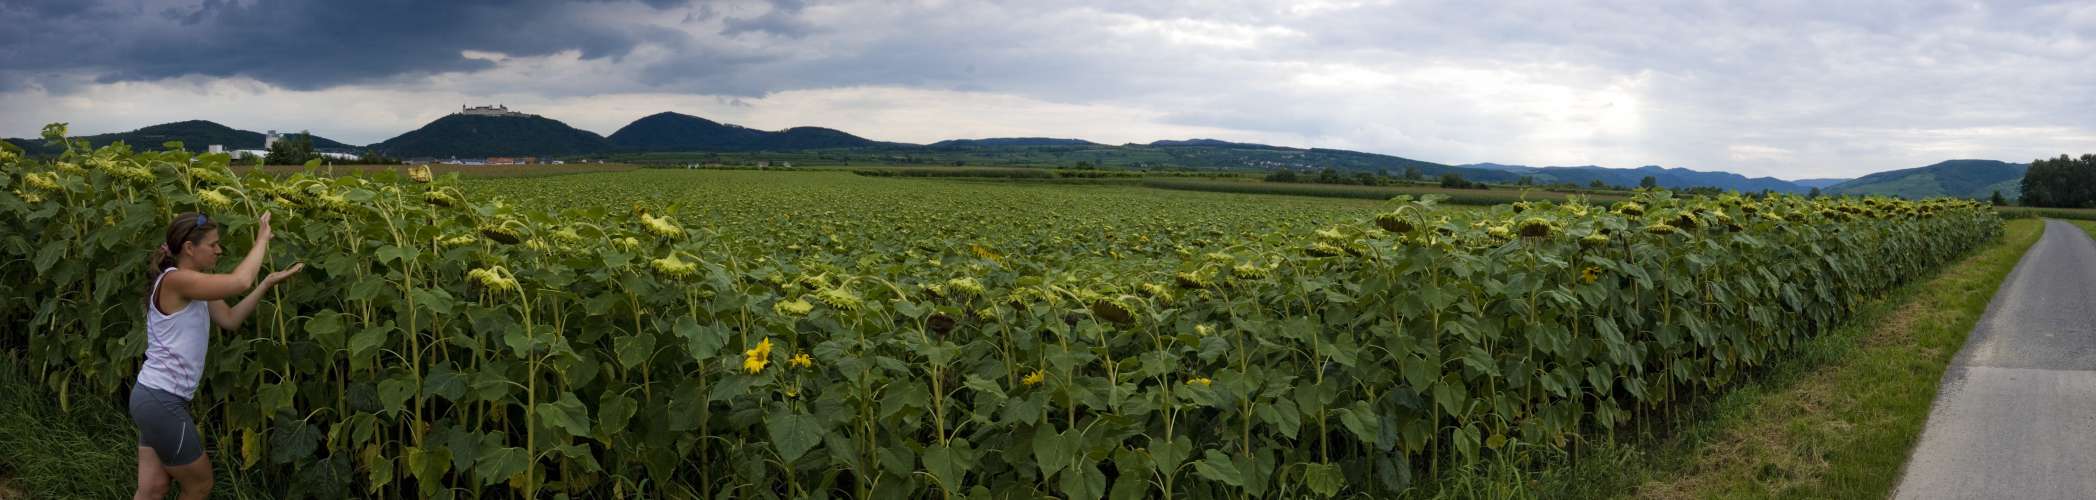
point(447, 342)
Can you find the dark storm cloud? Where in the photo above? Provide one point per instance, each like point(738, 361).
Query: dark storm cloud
point(296, 44)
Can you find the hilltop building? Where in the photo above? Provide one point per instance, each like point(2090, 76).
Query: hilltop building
point(496, 110)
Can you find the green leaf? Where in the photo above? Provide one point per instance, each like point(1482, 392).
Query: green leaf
point(793, 434)
point(634, 349)
point(443, 382)
point(567, 415)
point(394, 392)
point(428, 466)
point(702, 343)
point(365, 343)
point(1220, 468)
point(1323, 479)
point(1083, 481)
point(500, 464)
point(1051, 451)
point(1170, 454)
point(292, 442)
point(946, 466)
point(613, 412)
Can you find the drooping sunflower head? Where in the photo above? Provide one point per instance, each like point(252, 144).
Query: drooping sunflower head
point(1114, 310)
point(214, 199)
point(1249, 271)
point(493, 278)
point(1394, 222)
point(966, 286)
point(1192, 279)
point(420, 174)
point(792, 308)
point(440, 198)
point(1535, 227)
point(840, 299)
point(664, 227)
point(1630, 208)
point(501, 233)
point(674, 267)
point(1322, 249)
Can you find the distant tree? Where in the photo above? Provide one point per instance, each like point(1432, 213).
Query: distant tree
point(1329, 176)
point(373, 157)
point(2061, 182)
point(1455, 181)
point(1597, 184)
point(1998, 200)
point(1365, 179)
point(1413, 174)
point(1282, 176)
point(293, 150)
point(1526, 180)
point(1814, 193)
point(1648, 182)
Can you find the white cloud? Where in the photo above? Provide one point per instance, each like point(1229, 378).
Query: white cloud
point(1789, 90)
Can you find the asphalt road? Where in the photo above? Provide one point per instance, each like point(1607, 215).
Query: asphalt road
point(2016, 416)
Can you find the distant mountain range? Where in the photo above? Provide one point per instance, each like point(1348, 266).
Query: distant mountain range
point(1961, 178)
point(517, 134)
point(1011, 141)
point(669, 131)
point(195, 135)
point(1817, 183)
point(1673, 178)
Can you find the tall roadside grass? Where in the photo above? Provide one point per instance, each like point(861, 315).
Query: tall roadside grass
point(89, 452)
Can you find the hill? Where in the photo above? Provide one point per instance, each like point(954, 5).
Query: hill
point(477, 136)
point(195, 135)
point(1818, 183)
point(1011, 142)
point(669, 131)
point(1672, 178)
point(1976, 179)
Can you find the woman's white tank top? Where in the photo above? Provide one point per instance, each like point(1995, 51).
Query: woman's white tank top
point(175, 345)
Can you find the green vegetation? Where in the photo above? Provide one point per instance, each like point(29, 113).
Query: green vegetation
point(87, 451)
point(2056, 213)
point(678, 132)
point(1835, 419)
point(1973, 179)
point(195, 135)
point(740, 333)
point(1462, 196)
point(2062, 182)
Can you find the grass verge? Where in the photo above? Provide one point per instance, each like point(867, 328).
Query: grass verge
point(1835, 420)
point(90, 452)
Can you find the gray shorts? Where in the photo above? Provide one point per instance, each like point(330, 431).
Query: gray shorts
point(164, 425)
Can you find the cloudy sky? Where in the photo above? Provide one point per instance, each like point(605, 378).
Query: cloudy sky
point(1791, 89)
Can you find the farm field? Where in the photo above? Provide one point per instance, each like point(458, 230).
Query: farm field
point(1497, 195)
point(689, 334)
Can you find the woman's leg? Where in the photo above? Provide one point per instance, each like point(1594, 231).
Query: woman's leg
point(195, 477)
point(152, 479)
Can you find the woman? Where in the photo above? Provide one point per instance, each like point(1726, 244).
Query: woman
point(177, 330)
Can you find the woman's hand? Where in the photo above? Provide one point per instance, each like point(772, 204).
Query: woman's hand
point(279, 276)
point(262, 232)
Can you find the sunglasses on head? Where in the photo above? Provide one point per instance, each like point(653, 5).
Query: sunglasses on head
point(201, 220)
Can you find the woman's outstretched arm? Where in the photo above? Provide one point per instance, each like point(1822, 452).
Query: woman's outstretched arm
point(207, 286)
point(229, 318)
